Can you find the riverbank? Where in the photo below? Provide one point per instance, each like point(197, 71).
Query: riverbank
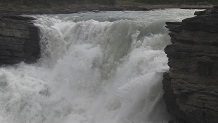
point(74, 8)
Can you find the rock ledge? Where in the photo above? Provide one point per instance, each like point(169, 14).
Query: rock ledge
point(19, 40)
point(191, 86)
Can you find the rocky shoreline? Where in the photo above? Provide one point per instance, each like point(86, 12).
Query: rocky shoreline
point(191, 86)
point(73, 9)
point(95, 8)
point(19, 40)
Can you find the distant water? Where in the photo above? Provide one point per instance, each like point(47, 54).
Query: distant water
point(101, 67)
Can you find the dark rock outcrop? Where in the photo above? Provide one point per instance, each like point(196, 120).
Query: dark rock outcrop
point(191, 86)
point(19, 40)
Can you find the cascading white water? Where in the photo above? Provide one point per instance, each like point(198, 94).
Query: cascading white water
point(101, 67)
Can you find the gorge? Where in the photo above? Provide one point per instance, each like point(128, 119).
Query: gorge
point(107, 67)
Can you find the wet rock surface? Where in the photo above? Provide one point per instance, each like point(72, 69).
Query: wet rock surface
point(191, 85)
point(19, 40)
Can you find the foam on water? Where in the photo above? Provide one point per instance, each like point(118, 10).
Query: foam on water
point(102, 67)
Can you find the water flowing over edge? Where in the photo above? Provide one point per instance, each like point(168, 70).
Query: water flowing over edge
point(95, 68)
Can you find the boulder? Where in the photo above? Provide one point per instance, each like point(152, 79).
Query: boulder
point(191, 85)
point(19, 40)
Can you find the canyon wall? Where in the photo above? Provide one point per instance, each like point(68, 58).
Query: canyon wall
point(19, 40)
point(191, 85)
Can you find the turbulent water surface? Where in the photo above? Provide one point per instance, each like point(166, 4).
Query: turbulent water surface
point(101, 67)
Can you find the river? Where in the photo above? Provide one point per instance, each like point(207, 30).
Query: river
point(103, 67)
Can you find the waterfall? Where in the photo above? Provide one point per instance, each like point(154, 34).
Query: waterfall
point(101, 67)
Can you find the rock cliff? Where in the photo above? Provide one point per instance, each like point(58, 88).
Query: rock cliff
point(19, 40)
point(191, 86)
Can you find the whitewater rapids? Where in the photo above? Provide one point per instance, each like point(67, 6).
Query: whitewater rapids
point(101, 67)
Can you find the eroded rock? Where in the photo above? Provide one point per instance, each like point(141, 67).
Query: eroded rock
point(191, 86)
point(19, 40)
